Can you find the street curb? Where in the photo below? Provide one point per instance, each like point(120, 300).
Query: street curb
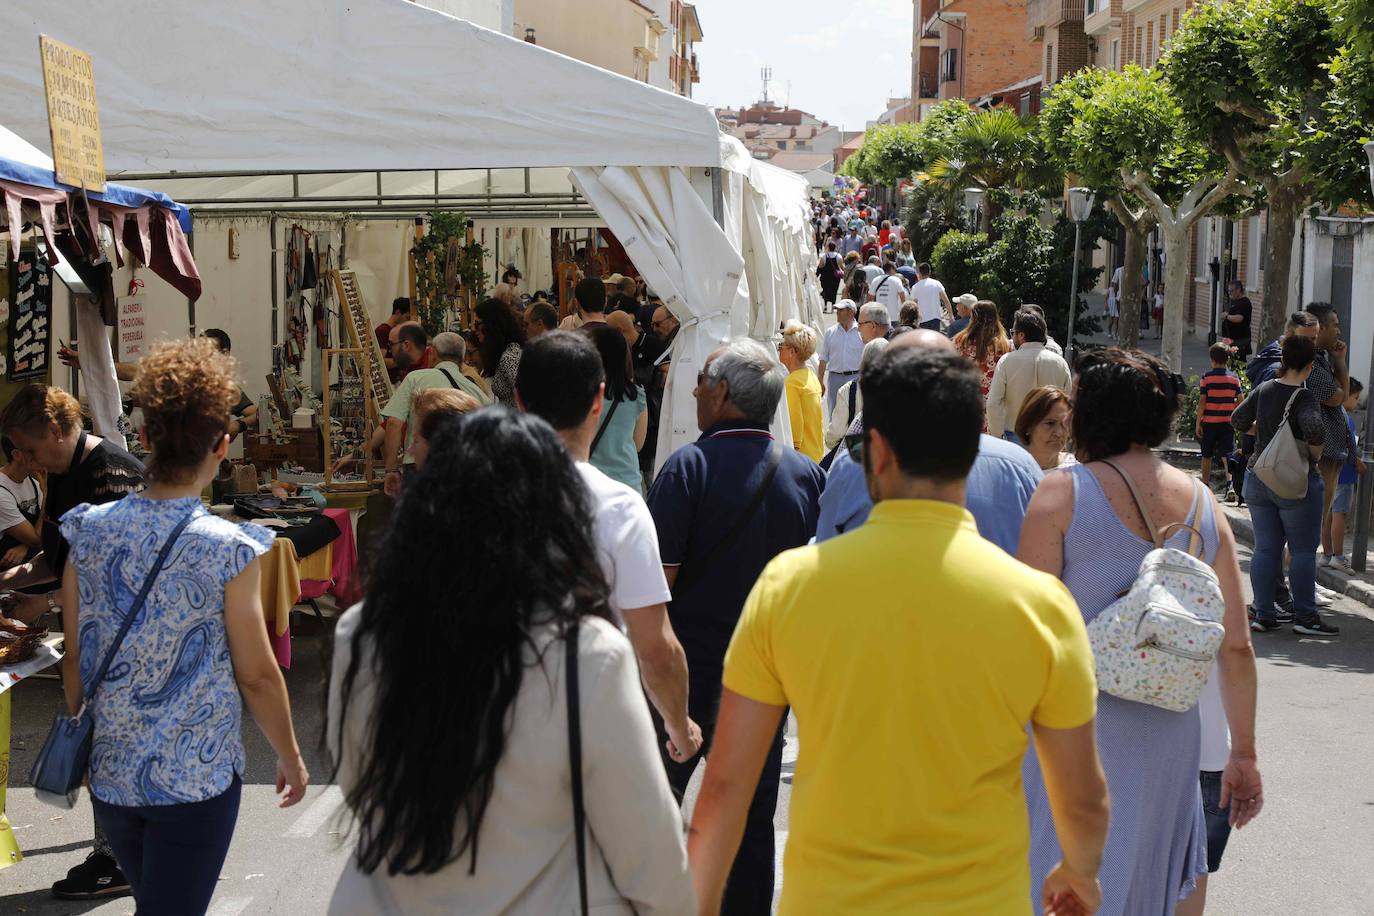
point(1355, 587)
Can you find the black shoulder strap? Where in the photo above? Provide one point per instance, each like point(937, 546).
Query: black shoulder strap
point(601, 430)
point(575, 762)
point(138, 603)
point(853, 398)
point(451, 382)
point(686, 575)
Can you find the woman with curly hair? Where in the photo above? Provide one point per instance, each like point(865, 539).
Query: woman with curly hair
point(1083, 526)
point(500, 338)
point(453, 750)
point(167, 762)
point(984, 341)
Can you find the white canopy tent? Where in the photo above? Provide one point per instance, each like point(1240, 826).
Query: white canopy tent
point(384, 109)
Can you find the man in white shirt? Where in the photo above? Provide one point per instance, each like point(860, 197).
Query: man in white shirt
point(1031, 365)
point(561, 379)
point(930, 294)
point(841, 348)
point(888, 289)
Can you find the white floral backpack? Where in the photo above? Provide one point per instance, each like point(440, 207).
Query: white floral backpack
point(1158, 641)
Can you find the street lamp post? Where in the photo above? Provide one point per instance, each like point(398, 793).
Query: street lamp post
point(1080, 207)
point(1366, 484)
point(1215, 267)
point(973, 202)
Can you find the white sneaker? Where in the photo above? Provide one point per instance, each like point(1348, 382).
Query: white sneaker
point(1339, 561)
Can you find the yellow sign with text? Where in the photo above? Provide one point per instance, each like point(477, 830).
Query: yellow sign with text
point(73, 120)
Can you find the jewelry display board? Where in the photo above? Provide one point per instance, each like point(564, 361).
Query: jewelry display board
point(362, 338)
point(347, 422)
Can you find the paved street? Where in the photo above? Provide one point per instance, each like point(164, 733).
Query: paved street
point(1308, 852)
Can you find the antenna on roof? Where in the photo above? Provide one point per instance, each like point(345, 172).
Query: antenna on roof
point(788, 103)
point(767, 75)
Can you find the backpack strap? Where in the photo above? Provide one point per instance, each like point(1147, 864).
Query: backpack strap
point(1160, 535)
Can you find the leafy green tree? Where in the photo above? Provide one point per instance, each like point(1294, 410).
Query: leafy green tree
point(958, 260)
point(1123, 134)
point(1269, 85)
point(894, 152)
point(993, 150)
point(930, 214)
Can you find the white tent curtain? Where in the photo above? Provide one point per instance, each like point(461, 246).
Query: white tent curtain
point(672, 238)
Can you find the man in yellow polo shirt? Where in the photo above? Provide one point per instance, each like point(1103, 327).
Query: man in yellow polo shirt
point(912, 689)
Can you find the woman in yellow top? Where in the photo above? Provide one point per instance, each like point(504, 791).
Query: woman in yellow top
point(803, 390)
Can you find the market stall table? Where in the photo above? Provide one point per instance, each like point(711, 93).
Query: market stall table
point(328, 567)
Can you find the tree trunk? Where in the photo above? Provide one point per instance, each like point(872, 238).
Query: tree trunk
point(1175, 290)
point(1137, 228)
point(1132, 274)
point(1278, 265)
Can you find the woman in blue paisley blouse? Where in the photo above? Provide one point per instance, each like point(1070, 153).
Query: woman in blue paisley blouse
point(166, 757)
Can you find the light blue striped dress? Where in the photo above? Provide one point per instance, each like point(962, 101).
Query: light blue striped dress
point(1157, 844)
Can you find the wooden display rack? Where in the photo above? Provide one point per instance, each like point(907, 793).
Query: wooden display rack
point(357, 412)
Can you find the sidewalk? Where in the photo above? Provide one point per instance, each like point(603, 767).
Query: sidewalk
point(1356, 586)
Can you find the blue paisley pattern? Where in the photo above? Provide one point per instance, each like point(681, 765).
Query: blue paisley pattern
point(167, 716)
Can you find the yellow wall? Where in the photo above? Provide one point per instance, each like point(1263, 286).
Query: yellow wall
point(600, 32)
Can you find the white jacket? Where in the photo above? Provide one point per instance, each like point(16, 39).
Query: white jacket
point(1019, 373)
point(526, 862)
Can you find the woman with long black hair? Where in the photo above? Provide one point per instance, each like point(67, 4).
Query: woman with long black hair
point(624, 411)
point(453, 749)
point(502, 337)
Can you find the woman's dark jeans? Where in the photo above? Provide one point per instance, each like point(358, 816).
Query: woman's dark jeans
point(1299, 523)
point(171, 854)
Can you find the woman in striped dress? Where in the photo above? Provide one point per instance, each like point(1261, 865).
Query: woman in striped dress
point(1083, 526)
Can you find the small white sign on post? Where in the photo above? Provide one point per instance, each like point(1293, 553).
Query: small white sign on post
point(132, 340)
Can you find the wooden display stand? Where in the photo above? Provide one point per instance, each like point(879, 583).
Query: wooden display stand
point(348, 401)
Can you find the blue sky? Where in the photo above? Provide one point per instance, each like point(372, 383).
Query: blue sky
point(838, 59)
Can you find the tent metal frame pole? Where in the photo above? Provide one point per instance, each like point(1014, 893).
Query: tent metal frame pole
point(191, 303)
point(272, 223)
point(717, 197)
point(402, 211)
point(515, 196)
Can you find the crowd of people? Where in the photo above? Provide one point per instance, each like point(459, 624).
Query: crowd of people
point(957, 506)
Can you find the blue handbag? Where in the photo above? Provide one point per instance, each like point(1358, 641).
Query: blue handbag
point(61, 764)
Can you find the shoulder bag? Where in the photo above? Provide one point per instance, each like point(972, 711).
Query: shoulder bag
point(1283, 465)
point(62, 763)
point(689, 573)
point(1157, 642)
point(575, 762)
point(601, 430)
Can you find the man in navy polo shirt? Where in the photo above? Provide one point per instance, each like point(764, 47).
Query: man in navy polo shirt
point(718, 527)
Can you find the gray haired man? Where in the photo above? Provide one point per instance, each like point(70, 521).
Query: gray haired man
point(874, 321)
point(724, 506)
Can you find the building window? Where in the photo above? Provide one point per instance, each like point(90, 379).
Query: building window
point(1114, 55)
point(782, 144)
point(1090, 7)
point(950, 69)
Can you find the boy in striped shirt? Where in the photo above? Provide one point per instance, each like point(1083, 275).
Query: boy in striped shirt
point(1220, 394)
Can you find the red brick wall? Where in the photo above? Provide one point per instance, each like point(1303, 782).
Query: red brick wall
point(998, 53)
point(1072, 50)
